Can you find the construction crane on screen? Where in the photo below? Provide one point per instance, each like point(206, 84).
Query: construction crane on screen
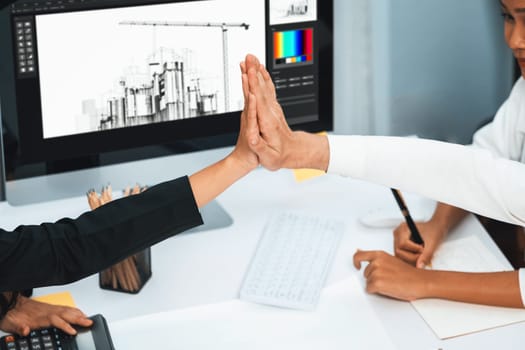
point(223, 26)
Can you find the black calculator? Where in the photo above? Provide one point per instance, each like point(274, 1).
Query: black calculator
point(96, 337)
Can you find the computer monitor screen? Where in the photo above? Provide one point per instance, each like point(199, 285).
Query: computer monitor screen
point(96, 82)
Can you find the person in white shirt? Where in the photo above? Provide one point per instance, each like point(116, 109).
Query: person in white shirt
point(472, 178)
point(503, 137)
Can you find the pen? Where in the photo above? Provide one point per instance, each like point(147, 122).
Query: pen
point(414, 233)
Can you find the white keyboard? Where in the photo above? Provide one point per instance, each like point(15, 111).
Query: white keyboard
point(292, 261)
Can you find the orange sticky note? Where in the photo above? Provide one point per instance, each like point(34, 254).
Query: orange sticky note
point(306, 174)
point(63, 299)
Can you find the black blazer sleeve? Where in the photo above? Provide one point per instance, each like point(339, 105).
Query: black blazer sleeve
point(71, 249)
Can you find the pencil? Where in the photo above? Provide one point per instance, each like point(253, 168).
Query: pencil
point(414, 233)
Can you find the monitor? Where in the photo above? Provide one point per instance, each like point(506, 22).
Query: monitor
point(93, 84)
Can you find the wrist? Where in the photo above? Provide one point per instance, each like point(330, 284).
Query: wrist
point(238, 163)
point(429, 289)
point(446, 217)
point(8, 301)
point(307, 151)
point(441, 225)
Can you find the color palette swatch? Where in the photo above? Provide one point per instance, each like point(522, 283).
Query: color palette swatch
point(293, 47)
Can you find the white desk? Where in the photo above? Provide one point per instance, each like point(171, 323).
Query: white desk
point(208, 267)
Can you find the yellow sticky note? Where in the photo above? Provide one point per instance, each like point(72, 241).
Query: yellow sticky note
point(306, 174)
point(63, 299)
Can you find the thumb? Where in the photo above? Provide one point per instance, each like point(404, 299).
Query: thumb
point(23, 330)
point(424, 259)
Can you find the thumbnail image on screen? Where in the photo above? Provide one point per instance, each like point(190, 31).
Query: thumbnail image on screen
point(117, 68)
point(292, 11)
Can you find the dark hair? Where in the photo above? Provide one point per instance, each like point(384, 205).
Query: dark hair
point(7, 302)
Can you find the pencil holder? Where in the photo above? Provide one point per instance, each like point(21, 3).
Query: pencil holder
point(129, 275)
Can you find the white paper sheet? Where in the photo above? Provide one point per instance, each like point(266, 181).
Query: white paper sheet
point(448, 318)
point(342, 320)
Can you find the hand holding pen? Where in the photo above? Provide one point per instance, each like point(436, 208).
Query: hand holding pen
point(406, 244)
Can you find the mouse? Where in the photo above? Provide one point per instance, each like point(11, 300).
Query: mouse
point(381, 218)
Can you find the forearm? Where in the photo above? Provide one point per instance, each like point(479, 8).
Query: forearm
point(211, 181)
point(447, 216)
point(70, 249)
point(497, 288)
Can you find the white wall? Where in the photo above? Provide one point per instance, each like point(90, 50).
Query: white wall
point(426, 67)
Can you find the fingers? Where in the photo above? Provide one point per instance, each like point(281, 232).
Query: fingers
point(404, 248)
point(253, 81)
point(412, 247)
point(22, 329)
point(242, 66)
point(256, 82)
point(75, 316)
point(135, 189)
point(265, 118)
point(251, 62)
point(363, 255)
point(268, 81)
point(105, 194)
point(251, 121)
point(408, 257)
point(245, 87)
point(60, 323)
point(262, 108)
point(93, 199)
point(264, 80)
point(102, 199)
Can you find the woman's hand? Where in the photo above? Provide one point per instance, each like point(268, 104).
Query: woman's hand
point(390, 276)
point(415, 254)
point(29, 314)
point(248, 128)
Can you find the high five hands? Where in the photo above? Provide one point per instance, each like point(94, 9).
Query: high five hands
point(269, 135)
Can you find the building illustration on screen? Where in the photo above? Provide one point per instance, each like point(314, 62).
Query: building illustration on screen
point(168, 91)
point(139, 65)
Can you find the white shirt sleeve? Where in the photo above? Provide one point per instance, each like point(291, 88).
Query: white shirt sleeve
point(504, 135)
point(466, 177)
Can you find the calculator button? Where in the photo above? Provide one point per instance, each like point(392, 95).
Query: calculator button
point(24, 345)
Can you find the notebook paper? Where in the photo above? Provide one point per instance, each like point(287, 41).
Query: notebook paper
point(449, 318)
